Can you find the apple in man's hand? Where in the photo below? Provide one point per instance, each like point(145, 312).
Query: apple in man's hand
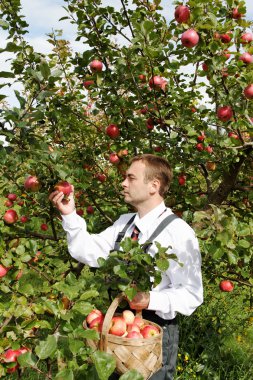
point(64, 187)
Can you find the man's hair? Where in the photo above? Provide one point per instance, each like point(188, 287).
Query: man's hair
point(156, 168)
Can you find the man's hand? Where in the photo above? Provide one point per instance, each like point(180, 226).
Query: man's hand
point(64, 205)
point(140, 301)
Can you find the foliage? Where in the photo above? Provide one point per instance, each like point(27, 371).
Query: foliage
point(58, 131)
point(129, 271)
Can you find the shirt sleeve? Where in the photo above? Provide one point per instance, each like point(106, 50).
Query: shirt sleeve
point(86, 247)
point(181, 288)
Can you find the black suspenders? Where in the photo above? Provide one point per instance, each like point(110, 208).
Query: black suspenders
point(164, 223)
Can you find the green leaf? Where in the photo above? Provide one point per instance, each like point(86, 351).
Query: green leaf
point(146, 27)
point(4, 24)
point(65, 374)
point(133, 374)
point(6, 74)
point(44, 69)
point(46, 348)
point(130, 292)
point(162, 264)
point(105, 364)
point(244, 243)
point(27, 360)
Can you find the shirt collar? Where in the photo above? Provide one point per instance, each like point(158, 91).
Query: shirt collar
point(147, 220)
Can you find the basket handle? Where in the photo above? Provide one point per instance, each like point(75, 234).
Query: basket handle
point(107, 321)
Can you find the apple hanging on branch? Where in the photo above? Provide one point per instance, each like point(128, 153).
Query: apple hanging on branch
point(182, 14)
point(224, 113)
point(190, 38)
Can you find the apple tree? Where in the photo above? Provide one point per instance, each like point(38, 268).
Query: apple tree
point(180, 87)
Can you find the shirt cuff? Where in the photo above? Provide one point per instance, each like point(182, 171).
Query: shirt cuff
point(71, 220)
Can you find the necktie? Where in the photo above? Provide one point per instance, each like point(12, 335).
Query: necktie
point(135, 233)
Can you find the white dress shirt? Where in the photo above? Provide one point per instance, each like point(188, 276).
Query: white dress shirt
point(180, 290)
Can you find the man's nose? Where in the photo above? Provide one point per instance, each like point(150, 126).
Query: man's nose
point(124, 183)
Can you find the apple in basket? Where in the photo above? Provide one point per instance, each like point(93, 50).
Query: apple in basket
point(129, 316)
point(97, 323)
point(139, 322)
point(148, 331)
point(92, 315)
point(118, 326)
point(134, 335)
point(133, 327)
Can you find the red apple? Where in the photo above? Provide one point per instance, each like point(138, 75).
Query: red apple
point(226, 286)
point(209, 149)
point(101, 177)
point(10, 216)
point(97, 323)
point(246, 38)
point(236, 14)
point(150, 123)
point(204, 66)
point(22, 350)
point(114, 158)
point(142, 78)
point(134, 335)
point(225, 38)
point(10, 356)
point(182, 179)
point(93, 314)
point(44, 227)
point(129, 316)
point(201, 137)
point(122, 152)
point(157, 82)
point(248, 91)
point(149, 331)
point(32, 183)
point(182, 13)
point(12, 197)
point(133, 327)
point(233, 135)
point(23, 219)
point(90, 210)
point(118, 326)
point(79, 211)
point(200, 147)
point(139, 322)
point(96, 66)
point(224, 113)
point(190, 38)
point(246, 58)
point(226, 55)
point(112, 131)
point(64, 187)
point(3, 271)
point(88, 83)
point(8, 203)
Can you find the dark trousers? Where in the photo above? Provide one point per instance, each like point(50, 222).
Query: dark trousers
point(170, 345)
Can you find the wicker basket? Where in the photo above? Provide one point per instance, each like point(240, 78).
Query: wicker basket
point(144, 355)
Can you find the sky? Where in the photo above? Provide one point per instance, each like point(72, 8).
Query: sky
point(42, 17)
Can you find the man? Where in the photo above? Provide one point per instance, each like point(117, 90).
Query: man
point(180, 291)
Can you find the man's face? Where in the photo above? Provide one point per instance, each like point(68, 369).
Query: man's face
point(135, 189)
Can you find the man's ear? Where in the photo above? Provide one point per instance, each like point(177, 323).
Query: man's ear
point(155, 186)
